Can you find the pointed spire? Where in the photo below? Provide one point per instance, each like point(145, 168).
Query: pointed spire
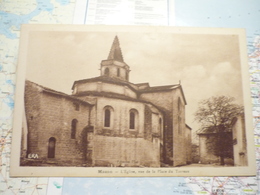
point(115, 51)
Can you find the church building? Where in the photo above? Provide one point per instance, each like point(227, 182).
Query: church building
point(106, 121)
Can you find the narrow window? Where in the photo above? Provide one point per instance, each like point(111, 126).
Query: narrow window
point(107, 72)
point(73, 128)
point(51, 147)
point(132, 120)
point(107, 118)
point(118, 72)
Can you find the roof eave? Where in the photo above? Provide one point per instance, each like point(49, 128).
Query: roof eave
point(66, 96)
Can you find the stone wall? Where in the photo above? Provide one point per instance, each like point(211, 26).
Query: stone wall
point(50, 115)
point(206, 154)
point(121, 151)
point(139, 140)
point(175, 142)
point(164, 100)
point(188, 145)
point(32, 101)
point(158, 136)
point(119, 116)
point(239, 141)
point(148, 123)
point(179, 129)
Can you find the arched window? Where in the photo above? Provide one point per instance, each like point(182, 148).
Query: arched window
point(108, 116)
point(133, 119)
point(74, 123)
point(107, 72)
point(51, 147)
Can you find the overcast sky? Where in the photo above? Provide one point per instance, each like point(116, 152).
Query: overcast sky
point(206, 64)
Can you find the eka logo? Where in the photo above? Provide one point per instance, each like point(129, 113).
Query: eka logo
point(34, 156)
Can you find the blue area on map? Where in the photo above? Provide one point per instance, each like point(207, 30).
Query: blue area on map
point(167, 185)
point(9, 101)
point(9, 81)
point(233, 14)
point(1, 67)
point(63, 2)
point(9, 20)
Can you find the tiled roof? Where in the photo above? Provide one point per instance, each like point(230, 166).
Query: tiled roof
point(48, 90)
point(159, 88)
point(134, 87)
point(106, 94)
point(188, 127)
point(141, 84)
point(115, 51)
point(106, 79)
point(163, 88)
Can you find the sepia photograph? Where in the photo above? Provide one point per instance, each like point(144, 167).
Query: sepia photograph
point(132, 101)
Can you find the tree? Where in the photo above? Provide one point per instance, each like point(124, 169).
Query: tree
point(215, 115)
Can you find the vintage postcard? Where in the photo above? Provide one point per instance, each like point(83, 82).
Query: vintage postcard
point(132, 101)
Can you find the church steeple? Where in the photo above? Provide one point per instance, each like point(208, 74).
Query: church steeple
point(115, 51)
point(115, 66)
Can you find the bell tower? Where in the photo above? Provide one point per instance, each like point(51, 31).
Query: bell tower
point(114, 66)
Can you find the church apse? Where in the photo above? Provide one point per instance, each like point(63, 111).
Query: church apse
point(109, 121)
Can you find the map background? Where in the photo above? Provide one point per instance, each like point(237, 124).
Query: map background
point(232, 13)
